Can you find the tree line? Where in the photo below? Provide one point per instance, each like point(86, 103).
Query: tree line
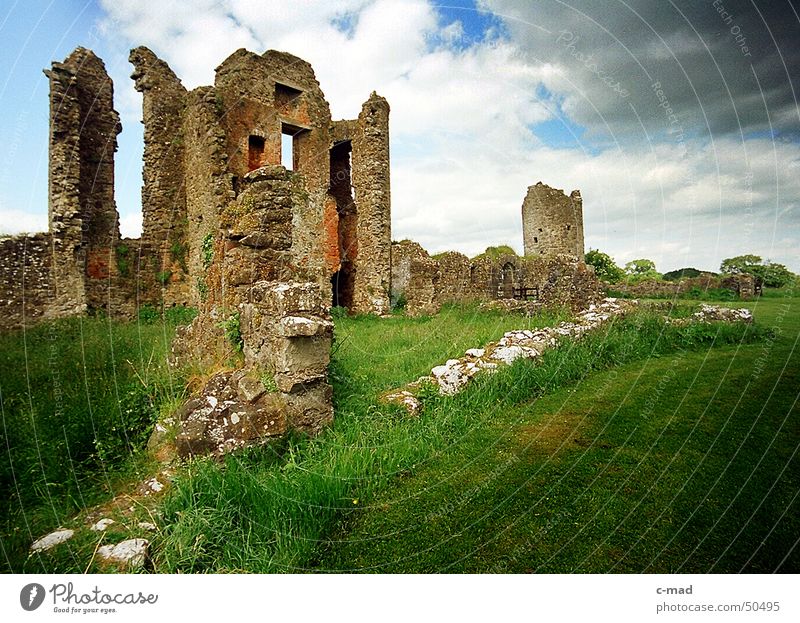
point(771, 274)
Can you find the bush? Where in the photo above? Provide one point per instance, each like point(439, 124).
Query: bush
point(232, 329)
point(604, 266)
point(148, 314)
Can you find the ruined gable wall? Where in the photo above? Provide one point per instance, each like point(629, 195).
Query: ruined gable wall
point(260, 95)
point(164, 220)
point(552, 222)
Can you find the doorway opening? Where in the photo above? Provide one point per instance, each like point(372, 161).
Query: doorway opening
point(342, 190)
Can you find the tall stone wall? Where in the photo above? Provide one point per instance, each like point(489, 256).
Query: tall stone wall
point(373, 205)
point(265, 97)
point(164, 220)
point(208, 189)
point(83, 138)
point(552, 222)
point(200, 149)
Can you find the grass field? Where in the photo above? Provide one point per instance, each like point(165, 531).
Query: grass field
point(78, 398)
point(638, 448)
point(679, 462)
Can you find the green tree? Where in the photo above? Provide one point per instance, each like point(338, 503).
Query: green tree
point(681, 273)
point(640, 267)
point(604, 266)
point(641, 270)
point(773, 275)
point(740, 264)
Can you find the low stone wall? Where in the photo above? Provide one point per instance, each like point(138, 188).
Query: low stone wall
point(425, 283)
point(452, 376)
point(26, 280)
point(744, 286)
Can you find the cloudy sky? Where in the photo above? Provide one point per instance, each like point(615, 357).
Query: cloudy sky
point(677, 120)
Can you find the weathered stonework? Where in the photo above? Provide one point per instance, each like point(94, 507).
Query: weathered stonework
point(327, 213)
point(26, 279)
point(282, 382)
point(164, 220)
point(552, 222)
point(426, 283)
point(372, 198)
point(82, 214)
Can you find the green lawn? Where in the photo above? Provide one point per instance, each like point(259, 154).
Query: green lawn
point(638, 448)
point(684, 462)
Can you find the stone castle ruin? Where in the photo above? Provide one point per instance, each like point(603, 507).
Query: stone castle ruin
point(552, 270)
point(552, 222)
point(263, 250)
point(326, 220)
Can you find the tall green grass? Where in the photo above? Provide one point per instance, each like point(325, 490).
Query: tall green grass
point(273, 510)
point(679, 458)
point(78, 399)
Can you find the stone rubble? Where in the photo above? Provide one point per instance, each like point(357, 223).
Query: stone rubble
point(451, 377)
point(130, 554)
point(102, 525)
point(714, 313)
point(49, 541)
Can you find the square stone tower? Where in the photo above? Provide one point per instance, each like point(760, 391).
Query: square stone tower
point(552, 222)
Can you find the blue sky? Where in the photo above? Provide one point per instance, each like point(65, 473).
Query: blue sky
point(486, 100)
point(35, 33)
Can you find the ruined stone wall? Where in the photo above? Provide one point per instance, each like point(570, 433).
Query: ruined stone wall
point(373, 205)
point(256, 233)
point(265, 97)
point(208, 191)
point(164, 221)
point(426, 283)
point(455, 283)
point(83, 139)
point(26, 280)
point(403, 253)
point(552, 222)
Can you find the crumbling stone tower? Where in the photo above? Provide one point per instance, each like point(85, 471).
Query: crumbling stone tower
point(286, 213)
point(82, 214)
point(552, 222)
point(213, 169)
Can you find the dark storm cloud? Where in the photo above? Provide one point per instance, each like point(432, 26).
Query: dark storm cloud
point(723, 66)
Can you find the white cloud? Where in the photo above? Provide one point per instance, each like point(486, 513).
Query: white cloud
point(130, 225)
point(18, 221)
point(463, 149)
